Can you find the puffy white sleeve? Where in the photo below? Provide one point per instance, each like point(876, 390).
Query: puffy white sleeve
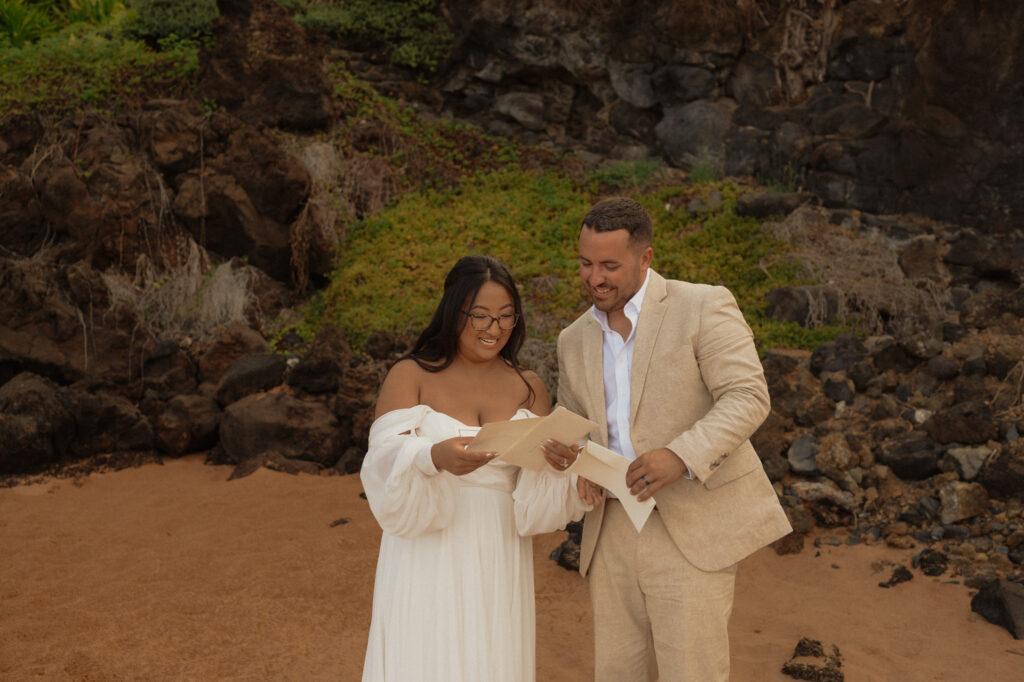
point(407, 494)
point(546, 500)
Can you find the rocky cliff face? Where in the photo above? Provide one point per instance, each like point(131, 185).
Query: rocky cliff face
point(120, 340)
point(887, 107)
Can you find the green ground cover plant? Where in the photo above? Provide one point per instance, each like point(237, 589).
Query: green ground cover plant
point(25, 21)
point(391, 265)
point(627, 174)
point(83, 67)
point(58, 57)
point(22, 22)
point(157, 20)
point(411, 31)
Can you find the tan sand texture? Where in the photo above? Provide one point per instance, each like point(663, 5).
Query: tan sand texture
point(174, 573)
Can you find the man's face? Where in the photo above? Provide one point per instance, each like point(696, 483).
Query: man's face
point(612, 267)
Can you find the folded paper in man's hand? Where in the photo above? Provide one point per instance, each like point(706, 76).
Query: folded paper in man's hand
point(608, 469)
point(519, 441)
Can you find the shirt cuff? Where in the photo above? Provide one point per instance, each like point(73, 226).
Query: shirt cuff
point(424, 462)
point(689, 472)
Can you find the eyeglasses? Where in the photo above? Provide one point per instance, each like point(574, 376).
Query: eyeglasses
point(481, 322)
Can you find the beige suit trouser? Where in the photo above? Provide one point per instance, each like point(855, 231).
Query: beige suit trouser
point(656, 615)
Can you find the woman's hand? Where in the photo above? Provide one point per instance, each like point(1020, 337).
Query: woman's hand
point(589, 492)
point(559, 456)
point(451, 456)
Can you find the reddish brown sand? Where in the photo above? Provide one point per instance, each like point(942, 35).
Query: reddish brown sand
point(172, 573)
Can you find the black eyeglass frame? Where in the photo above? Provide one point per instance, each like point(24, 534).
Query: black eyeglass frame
point(473, 317)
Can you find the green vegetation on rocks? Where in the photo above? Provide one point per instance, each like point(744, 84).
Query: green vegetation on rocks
point(58, 57)
point(391, 266)
point(411, 31)
point(437, 190)
point(82, 68)
point(156, 20)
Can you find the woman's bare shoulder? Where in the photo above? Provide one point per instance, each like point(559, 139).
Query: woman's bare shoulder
point(401, 387)
point(541, 404)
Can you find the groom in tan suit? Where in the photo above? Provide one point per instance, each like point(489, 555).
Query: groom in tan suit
point(669, 371)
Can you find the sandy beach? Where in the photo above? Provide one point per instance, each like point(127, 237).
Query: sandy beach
point(174, 573)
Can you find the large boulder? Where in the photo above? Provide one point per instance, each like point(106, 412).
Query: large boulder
point(281, 424)
point(961, 501)
point(1001, 602)
point(173, 135)
point(100, 191)
point(1003, 473)
point(251, 374)
point(809, 306)
point(35, 427)
point(237, 341)
point(106, 422)
point(243, 201)
point(837, 355)
point(320, 371)
point(169, 370)
point(22, 229)
point(911, 456)
point(189, 423)
point(265, 68)
point(692, 134)
point(50, 323)
point(19, 135)
point(835, 458)
point(968, 422)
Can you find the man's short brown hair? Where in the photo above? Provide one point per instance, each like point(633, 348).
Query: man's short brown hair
point(621, 213)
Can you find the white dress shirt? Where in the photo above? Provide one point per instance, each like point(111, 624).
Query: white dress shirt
point(618, 367)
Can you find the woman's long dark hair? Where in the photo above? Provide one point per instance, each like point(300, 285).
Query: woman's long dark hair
point(436, 347)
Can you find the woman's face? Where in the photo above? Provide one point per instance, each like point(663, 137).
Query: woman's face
point(495, 301)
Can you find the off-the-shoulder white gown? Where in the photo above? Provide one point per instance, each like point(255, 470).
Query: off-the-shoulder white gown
point(453, 596)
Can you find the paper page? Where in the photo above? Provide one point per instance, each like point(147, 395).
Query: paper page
point(608, 469)
point(501, 436)
point(519, 441)
point(562, 425)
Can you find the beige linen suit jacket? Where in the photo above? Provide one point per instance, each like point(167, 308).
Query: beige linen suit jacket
point(697, 388)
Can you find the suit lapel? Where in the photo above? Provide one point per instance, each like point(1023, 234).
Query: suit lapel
point(651, 315)
point(593, 366)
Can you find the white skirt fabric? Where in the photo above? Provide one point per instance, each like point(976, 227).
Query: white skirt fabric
point(453, 595)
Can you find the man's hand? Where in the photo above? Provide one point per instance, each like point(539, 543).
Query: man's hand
point(652, 471)
point(589, 491)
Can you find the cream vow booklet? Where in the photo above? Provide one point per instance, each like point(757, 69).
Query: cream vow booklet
point(519, 441)
point(608, 469)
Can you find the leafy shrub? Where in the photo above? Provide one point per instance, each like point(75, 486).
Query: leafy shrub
point(294, 6)
point(89, 11)
point(26, 21)
point(412, 30)
point(82, 67)
point(156, 19)
point(22, 23)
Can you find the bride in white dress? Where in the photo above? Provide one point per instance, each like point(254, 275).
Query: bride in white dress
point(453, 595)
